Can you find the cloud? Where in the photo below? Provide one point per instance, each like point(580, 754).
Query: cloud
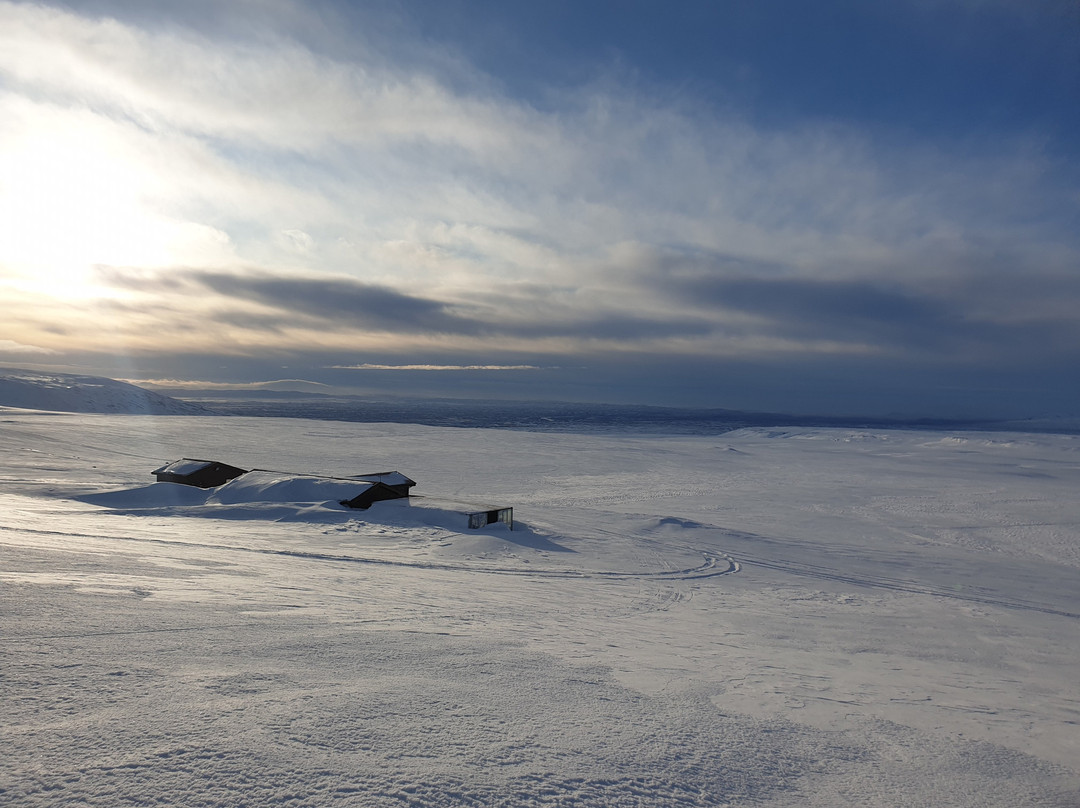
point(8, 346)
point(287, 301)
point(296, 240)
point(198, 384)
point(851, 310)
point(267, 90)
point(962, 317)
point(345, 300)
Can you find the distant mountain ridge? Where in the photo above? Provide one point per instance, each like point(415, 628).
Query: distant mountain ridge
point(533, 416)
point(562, 416)
point(67, 392)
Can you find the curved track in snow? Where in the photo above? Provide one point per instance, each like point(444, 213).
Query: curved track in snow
point(713, 564)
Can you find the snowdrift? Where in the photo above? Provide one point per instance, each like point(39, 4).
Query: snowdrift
point(277, 496)
point(267, 486)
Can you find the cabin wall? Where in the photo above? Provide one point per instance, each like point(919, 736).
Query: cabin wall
point(376, 493)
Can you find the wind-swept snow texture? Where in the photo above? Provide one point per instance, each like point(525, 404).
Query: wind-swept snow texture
point(66, 392)
point(768, 618)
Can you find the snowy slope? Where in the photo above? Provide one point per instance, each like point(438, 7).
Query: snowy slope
point(65, 392)
point(795, 617)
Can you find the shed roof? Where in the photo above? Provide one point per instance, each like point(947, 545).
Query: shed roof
point(385, 477)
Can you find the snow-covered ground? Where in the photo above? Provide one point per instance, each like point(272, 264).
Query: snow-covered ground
point(768, 617)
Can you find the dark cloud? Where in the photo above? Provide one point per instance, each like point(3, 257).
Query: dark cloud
point(338, 302)
point(961, 320)
point(344, 301)
point(611, 327)
point(832, 309)
point(887, 317)
point(271, 322)
point(364, 305)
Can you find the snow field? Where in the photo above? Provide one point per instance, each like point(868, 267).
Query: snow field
point(901, 629)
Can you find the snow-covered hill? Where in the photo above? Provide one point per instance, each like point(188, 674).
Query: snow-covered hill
point(66, 392)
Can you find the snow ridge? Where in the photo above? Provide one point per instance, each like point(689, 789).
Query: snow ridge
point(66, 392)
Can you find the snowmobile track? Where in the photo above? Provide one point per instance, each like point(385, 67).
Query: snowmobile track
point(713, 564)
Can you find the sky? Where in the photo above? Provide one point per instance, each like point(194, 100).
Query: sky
point(835, 207)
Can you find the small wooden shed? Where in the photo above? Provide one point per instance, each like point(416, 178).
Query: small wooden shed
point(199, 473)
point(477, 519)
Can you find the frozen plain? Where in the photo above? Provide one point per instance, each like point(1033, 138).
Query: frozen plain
point(766, 617)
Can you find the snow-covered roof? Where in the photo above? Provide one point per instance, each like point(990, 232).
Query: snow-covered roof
point(272, 486)
point(386, 478)
point(183, 466)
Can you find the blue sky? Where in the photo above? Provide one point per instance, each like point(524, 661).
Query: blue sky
point(835, 207)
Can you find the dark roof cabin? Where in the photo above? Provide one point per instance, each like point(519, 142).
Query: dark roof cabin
point(199, 473)
point(393, 480)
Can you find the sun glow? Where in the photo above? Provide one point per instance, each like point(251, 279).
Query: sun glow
point(72, 197)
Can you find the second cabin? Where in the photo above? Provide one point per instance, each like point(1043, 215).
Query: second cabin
point(359, 491)
point(279, 486)
point(199, 473)
point(394, 480)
